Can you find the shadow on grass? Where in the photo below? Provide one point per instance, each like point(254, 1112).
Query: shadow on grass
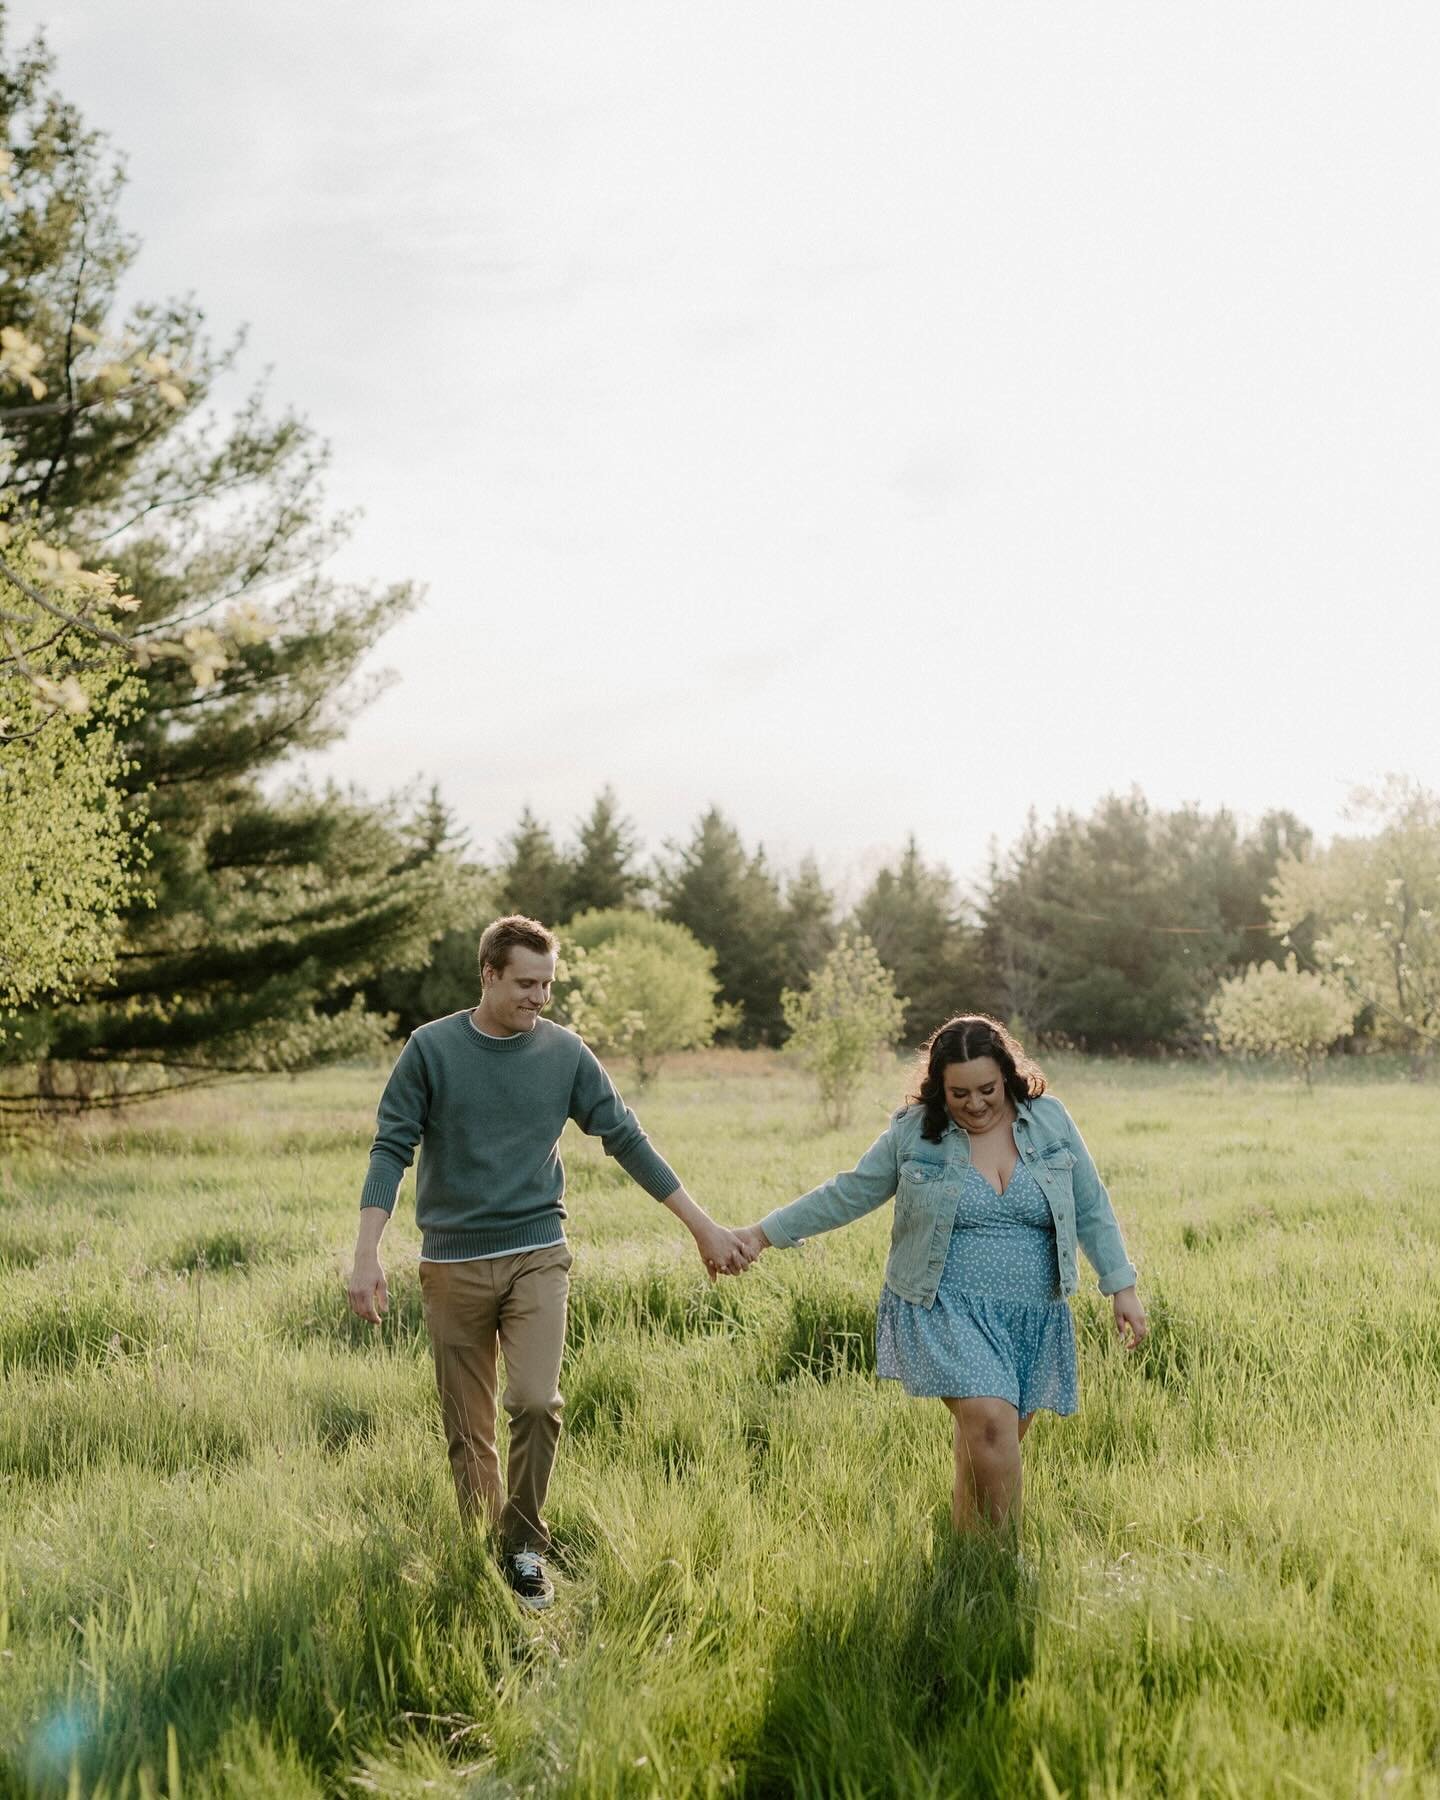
point(84, 1325)
point(830, 1332)
point(908, 1686)
point(229, 1249)
point(340, 1657)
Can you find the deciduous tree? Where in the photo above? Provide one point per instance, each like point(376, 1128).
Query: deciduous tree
point(638, 987)
point(841, 1022)
point(1280, 1011)
point(1370, 905)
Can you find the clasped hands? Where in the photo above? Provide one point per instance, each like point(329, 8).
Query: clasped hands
point(727, 1251)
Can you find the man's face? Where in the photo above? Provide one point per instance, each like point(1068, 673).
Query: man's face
point(516, 995)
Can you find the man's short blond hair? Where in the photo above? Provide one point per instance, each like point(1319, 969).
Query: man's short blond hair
point(513, 932)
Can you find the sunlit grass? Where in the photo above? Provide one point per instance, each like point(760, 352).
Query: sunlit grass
point(229, 1562)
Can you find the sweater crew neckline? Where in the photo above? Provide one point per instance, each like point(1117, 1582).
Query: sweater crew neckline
point(498, 1046)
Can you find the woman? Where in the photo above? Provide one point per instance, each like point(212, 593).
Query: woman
point(993, 1190)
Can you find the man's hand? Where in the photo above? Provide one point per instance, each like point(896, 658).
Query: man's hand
point(1130, 1320)
point(722, 1251)
point(367, 1293)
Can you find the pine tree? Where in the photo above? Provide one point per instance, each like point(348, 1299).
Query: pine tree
point(270, 908)
point(534, 879)
point(602, 869)
point(448, 979)
point(911, 913)
point(808, 927)
point(731, 901)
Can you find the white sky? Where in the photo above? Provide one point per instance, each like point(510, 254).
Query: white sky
point(867, 417)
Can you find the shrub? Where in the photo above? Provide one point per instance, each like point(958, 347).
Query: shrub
point(639, 987)
point(1270, 1011)
point(840, 1023)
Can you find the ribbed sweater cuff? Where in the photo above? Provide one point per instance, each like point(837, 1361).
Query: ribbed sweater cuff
point(382, 1184)
point(651, 1170)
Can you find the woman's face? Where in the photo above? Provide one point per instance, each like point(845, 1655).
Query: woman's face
point(975, 1096)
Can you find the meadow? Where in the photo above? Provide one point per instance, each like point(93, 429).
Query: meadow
point(230, 1562)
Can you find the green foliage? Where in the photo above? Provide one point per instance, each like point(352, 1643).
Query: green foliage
point(808, 929)
point(638, 987)
point(601, 870)
point(913, 916)
point(1113, 930)
point(270, 908)
point(449, 978)
point(228, 1514)
point(841, 1023)
point(533, 878)
point(293, 902)
point(70, 846)
point(1370, 907)
point(730, 900)
point(1285, 1012)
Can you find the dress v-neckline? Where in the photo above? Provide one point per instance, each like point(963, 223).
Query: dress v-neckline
point(999, 1193)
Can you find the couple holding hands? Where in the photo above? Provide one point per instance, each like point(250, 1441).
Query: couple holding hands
point(995, 1196)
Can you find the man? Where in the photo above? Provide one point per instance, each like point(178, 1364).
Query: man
point(486, 1094)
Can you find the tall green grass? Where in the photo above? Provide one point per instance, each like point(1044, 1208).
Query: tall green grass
point(229, 1558)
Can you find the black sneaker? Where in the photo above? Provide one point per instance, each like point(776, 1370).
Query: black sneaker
point(525, 1571)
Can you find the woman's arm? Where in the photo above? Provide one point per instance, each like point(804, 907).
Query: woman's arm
point(1095, 1223)
point(838, 1201)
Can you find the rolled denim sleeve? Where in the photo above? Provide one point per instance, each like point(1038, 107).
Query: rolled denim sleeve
point(844, 1197)
point(1095, 1223)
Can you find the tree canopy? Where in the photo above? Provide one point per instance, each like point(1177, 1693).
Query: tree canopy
point(1112, 930)
point(730, 900)
point(1369, 906)
point(912, 915)
point(267, 909)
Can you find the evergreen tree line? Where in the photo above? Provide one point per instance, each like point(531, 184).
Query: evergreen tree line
point(1109, 931)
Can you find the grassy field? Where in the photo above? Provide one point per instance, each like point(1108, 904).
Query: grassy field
point(229, 1561)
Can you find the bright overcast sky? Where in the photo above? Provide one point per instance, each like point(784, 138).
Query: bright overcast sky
point(867, 417)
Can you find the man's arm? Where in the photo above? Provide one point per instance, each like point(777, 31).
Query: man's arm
point(722, 1251)
point(596, 1107)
point(404, 1107)
point(368, 1293)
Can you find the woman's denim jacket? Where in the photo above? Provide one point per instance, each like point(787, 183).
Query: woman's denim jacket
point(925, 1179)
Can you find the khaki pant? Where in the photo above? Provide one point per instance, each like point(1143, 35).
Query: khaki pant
point(516, 1304)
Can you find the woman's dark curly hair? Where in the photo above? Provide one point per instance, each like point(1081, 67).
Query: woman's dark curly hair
point(959, 1040)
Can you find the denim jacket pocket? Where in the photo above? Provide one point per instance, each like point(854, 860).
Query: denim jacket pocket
point(1056, 1168)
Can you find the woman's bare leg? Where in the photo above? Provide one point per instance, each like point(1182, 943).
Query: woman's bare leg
point(987, 1464)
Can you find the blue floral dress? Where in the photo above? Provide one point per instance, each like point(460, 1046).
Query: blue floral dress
point(999, 1325)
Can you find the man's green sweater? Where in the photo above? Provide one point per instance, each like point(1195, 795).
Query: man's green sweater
point(488, 1113)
